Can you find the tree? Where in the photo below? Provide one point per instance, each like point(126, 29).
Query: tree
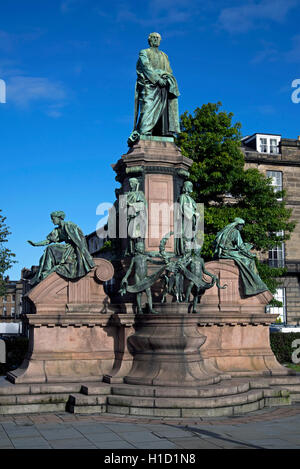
point(227, 189)
point(6, 256)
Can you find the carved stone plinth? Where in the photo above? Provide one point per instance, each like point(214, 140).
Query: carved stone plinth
point(166, 349)
point(228, 336)
point(161, 170)
point(72, 335)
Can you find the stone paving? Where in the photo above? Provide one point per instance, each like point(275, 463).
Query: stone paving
point(276, 428)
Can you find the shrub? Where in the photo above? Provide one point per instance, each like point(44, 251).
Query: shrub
point(281, 345)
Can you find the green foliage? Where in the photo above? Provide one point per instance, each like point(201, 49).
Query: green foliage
point(107, 246)
point(212, 142)
point(271, 277)
point(281, 345)
point(6, 256)
point(227, 189)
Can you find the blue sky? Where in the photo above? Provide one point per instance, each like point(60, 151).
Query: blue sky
point(69, 67)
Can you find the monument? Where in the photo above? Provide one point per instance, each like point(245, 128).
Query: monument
point(171, 336)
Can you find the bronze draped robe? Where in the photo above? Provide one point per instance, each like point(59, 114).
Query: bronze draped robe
point(70, 260)
point(157, 106)
point(229, 245)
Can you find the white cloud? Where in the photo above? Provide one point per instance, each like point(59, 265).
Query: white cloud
point(23, 90)
point(242, 18)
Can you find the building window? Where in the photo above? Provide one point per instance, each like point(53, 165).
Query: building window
point(12, 311)
point(280, 311)
point(263, 145)
point(268, 144)
point(277, 254)
point(4, 311)
point(276, 182)
point(274, 146)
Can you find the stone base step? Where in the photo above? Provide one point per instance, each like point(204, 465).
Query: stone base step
point(221, 389)
point(33, 403)
point(86, 404)
point(290, 384)
point(36, 398)
point(32, 408)
point(194, 402)
point(213, 401)
point(96, 389)
point(233, 397)
point(88, 409)
point(292, 389)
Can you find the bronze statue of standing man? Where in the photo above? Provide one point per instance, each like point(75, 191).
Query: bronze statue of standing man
point(156, 93)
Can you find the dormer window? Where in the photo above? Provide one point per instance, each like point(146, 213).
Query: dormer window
point(268, 144)
point(273, 145)
point(263, 145)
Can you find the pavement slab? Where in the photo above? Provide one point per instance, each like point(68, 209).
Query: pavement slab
point(274, 428)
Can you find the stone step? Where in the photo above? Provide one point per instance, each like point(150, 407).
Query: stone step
point(187, 413)
point(184, 392)
point(290, 379)
point(292, 389)
point(84, 400)
point(6, 388)
point(96, 389)
point(185, 402)
point(32, 408)
point(86, 404)
point(198, 407)
point(33, 399)
point(88, 409)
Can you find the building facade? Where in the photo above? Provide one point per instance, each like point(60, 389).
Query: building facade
point(11, 302)
point(279, 159)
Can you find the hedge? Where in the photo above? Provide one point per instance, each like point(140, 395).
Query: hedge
point(281, 345)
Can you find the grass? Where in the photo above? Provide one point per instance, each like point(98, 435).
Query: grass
point(293, 366)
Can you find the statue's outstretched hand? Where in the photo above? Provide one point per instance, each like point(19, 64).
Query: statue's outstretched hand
point(31, 242)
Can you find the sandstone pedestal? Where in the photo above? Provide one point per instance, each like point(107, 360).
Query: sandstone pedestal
point(72, 336)
point(94, 357)
point(161, 170)
point(166, 349)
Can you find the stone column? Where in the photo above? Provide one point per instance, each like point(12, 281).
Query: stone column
point(161, 170)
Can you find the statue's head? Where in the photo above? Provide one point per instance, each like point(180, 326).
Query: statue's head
point(197, 251)
point(154, 39)
point(188, 186)
point(57, 217)
point(134, 184)
point(240, 223)
point(140, 247)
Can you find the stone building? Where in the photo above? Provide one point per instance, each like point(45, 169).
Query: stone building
point(279, 158)
point(95, 242)
point(11, 302)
